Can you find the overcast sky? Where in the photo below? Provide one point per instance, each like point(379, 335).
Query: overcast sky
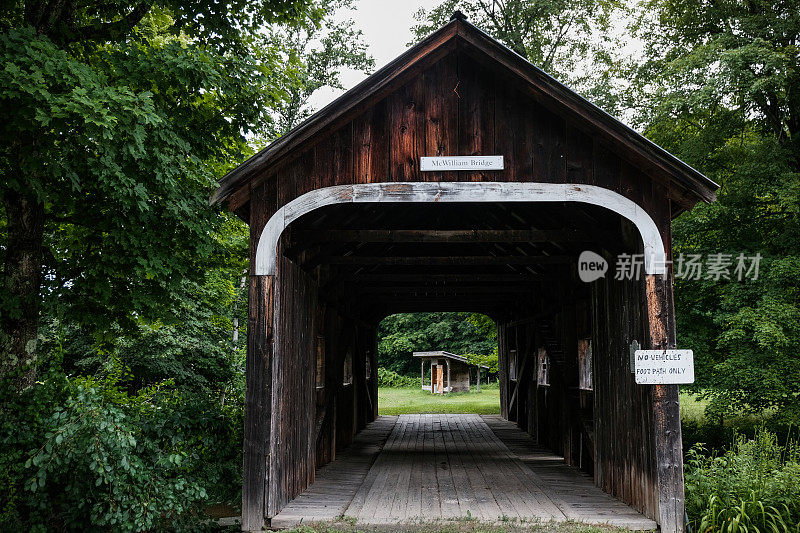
point(387, 29)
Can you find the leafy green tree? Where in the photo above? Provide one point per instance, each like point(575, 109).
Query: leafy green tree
point(718, 87)
point(488, 360)
point(315, 52)
point(119, 116)
point(402, 334)
point(488, 330)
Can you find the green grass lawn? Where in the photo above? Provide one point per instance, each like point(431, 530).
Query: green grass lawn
point(406, 400)
point(400, 401)
point(692, 409)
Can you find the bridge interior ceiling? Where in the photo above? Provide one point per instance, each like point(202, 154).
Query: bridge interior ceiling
point(563, 365)
point(376, 259)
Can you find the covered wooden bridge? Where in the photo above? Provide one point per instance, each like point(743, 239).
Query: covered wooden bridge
point(348, 225)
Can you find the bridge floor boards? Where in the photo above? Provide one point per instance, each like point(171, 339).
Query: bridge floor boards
point(427, 467)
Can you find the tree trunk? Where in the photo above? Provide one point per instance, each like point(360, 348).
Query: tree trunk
point(22, 271)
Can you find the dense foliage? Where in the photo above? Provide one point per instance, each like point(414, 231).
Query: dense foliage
point(121, 405)
point(751, 487)
point(121, 401)
point(313, 56)
point(89, 452)
point(718, 88)
point(393, 380)
point(120, 117)
point(460, 333)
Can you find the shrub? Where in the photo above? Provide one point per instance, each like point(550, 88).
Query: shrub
point(84, 453)
point(389, 378)
point(754, 486)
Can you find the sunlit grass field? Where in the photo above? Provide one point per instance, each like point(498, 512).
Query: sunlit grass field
point(406, 400)
point(692, 408)
point(400, 401)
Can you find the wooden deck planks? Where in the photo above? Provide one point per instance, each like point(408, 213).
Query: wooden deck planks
point(572, 489)
point(426, 467)
point(487, 507)
point(337, 483)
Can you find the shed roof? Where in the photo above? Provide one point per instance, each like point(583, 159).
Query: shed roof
point(446, 355)
point(459, 33)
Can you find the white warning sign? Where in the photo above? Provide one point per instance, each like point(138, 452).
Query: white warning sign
point(664, 367)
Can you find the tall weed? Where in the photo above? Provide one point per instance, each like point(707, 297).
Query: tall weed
point(752, 487)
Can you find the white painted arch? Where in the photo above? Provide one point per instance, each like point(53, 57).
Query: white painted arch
point(453, 192)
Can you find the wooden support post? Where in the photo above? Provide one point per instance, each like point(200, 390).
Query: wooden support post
point(666, 413)
point(479, 379)
point(258, 402)
point(374, 363)
point(502, 369)
point(449, 386)
point(422, 373)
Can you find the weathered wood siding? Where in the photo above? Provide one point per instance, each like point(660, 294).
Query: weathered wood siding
point(608, 431)
point(623, 424)
point(308, 425)
point(258, 370)
point(458, 106)
point(293, 447)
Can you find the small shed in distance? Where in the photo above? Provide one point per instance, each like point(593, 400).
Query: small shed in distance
point(448, 372)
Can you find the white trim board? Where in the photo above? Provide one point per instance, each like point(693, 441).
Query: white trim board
point(454, 192)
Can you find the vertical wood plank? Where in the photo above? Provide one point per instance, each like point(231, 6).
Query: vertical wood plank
point(548, 137)
point(622, 467)
point(258, 399)
point(370, 145)
point(579, 147)
point(379, 144)
point(441, 120)
point(666, 419)
point(407, 131)
point(324, 167)
point(606, 168)
point(293, 436)
point(475, 115)
point(258, 371)
point(342, 162)
point(504, 112)
point(502, 367)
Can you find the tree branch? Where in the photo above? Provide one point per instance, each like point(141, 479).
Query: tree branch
point(112, 30)
point(554, 48)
